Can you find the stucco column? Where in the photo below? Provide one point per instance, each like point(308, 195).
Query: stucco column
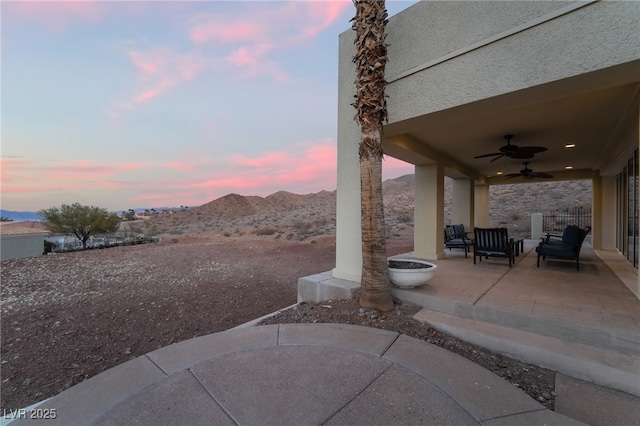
point(348, 235)
point(637, 289)
point(428, 240)
point(597, 211)
point(481, 203)
point(608, 201)
point(537, 220)
point(463, 203)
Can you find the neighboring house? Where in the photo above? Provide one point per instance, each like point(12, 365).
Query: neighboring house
point(65, 242)
point(21, 239)
point(461, 75)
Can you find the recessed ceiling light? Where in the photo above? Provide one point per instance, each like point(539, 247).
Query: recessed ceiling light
point(570, 145)
point(568, 167)
point(499, 173)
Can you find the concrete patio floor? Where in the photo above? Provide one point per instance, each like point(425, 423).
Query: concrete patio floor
point(594, 295)
point(585, 324)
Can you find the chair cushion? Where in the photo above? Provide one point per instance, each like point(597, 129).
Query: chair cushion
point(448, 234)
point(458, 231)
point(572, 235)
point(557, 250)
point(493, 253)
point(459, 241)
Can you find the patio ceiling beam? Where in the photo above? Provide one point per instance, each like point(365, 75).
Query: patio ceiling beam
point(409, 149)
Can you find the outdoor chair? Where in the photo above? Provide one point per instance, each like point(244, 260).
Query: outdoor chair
point(557, 238)
point(456, 237)
point(568, 247)
point(493, 242)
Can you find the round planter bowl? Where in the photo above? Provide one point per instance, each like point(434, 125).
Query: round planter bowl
point(411, 277)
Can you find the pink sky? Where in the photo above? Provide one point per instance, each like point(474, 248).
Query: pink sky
point(149, 104)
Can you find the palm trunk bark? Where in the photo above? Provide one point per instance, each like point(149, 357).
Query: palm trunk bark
point(371, 57)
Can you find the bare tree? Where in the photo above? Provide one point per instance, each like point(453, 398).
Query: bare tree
point(370, 59)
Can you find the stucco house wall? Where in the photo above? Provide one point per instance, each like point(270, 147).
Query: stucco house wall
point(454, 59)
point(465, 45)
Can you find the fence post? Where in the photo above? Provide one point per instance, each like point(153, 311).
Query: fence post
point(536, 226)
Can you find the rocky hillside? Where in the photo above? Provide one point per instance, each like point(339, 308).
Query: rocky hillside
point(293, 216)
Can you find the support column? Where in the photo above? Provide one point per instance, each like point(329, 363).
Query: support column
point(609, 204)
point(428, 241)
point(481, 202)
point(637, 289)
point(348, 235)
point(596, 211)
point(463, 207)
point(537, 220)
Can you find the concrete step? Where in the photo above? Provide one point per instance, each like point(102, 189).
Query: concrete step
point(617, 339)
point(596, 364)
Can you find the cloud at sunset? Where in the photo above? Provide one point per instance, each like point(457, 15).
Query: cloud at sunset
point(320, 15)
point(10, 167)
point(308, 167)
point(303, 165)
point(160, 69)
point(252, 40)
point(280, 25)
point(93, 168)
point(56, 16)
point(246, 38)
point(42, 175)
point(184, 166)
point(218, 30)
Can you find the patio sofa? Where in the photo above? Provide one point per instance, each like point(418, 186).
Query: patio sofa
point(455, 236)
point(568, 247)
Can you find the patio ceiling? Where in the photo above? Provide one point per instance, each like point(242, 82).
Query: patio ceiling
point(586, 111)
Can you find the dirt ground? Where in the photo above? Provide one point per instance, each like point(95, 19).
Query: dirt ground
point(67, 317)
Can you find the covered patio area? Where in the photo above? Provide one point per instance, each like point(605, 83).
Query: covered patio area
point(559, 78)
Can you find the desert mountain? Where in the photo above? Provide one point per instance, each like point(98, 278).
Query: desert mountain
point(293, 216)
point(233, 205)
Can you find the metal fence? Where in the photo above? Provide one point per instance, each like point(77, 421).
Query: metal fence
point(557, 220)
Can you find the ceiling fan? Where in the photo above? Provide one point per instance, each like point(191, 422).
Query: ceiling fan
point(527, 173)
point(514, 151)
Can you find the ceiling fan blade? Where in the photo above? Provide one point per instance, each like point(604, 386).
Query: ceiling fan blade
point(489, 155)
point(521, 155)
point(509, 149)
point(541, 175)
point(531, 149)
point(512, 175)
point(514, 151)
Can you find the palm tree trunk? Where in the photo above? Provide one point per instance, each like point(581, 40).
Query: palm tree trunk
point(371, 57)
